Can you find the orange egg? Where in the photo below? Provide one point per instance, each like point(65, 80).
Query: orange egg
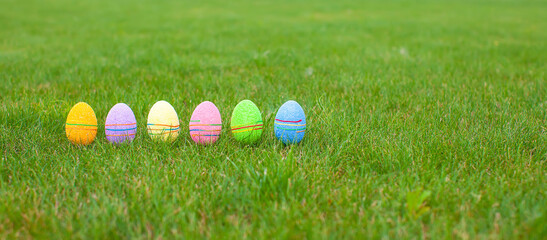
point(81, 124)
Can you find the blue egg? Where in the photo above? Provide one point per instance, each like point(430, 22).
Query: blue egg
point(290, 123)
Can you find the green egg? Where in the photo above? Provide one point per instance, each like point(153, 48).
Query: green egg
point(246, 123)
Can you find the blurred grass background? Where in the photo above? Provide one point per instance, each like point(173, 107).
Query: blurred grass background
point(424, 118)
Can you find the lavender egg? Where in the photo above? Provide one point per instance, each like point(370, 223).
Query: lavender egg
point(120, 125)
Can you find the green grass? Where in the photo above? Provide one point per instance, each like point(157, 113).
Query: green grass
point(425, 119)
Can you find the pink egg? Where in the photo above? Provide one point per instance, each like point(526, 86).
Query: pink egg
point(205, 123)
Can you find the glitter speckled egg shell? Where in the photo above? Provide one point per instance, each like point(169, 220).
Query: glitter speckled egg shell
point(163, 122)
point(120, 124)
point(290, 123)
point(246, 122)
point(81, 124)
point(205, 123)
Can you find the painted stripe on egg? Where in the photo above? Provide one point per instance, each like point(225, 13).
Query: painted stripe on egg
point(288, 121)
point(163, 125)
point(293, 129)
point(119, 130)
point(258, 125)
point(163, 129)
point(246, 130)
point(161, 133)
point(120, 135)
point(194, 125)
point(287, 124)
point(205, 135)
point(83, 129)
point(203, 130)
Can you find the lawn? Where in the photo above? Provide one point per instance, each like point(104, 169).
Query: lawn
point(425, 119)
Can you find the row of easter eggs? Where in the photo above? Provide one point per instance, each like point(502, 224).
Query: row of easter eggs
point(204, 127)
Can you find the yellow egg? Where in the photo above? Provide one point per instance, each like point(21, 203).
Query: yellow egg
point(163, 122)
point(81, 124)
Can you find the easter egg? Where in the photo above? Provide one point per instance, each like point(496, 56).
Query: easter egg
point(290, 123)
point(205, 123)
point(163, 122)
point(81, 124)
point(120, 124)
point(246, 122)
